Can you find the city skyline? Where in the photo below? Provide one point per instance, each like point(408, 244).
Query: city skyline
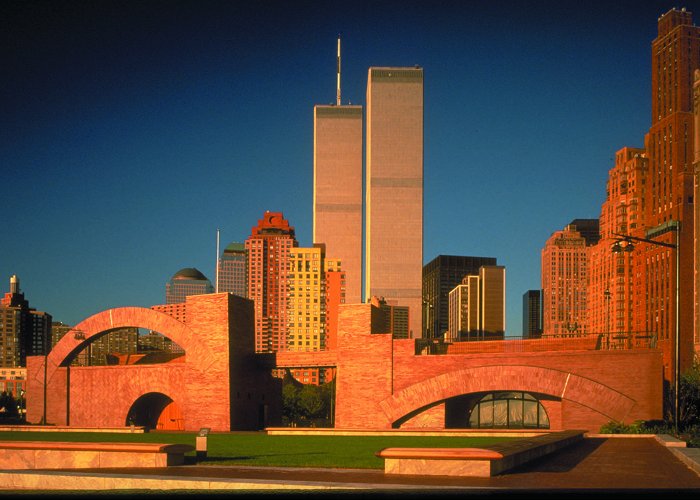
point(135, 130)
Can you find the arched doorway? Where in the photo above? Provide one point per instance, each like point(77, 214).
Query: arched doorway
point(155, 410)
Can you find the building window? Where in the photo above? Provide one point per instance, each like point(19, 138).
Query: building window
point(508, 410)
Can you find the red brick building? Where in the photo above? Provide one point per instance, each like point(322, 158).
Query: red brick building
point(381, 382)
point(268, 247)
point(650, 196)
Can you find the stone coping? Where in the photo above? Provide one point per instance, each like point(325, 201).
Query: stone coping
point(138, 429)
point(441, 453)
point(94, 446)
point(325, 431)
point(664, 439)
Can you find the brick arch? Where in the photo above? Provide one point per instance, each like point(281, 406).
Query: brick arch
point(197, 353)
point(557, 383)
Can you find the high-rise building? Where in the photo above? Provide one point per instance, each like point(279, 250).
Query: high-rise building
point(440, 276)
point(394, 189)
point(476, 307)
point(532, 314)
point(305, 300)
point(650, 196)
point(337, 200)
point(187, 281)
point(675, 54)
point(463, 310)
point(395, 319)
point(335, 295)
point(232, 270)
point(696, 217)
point(611, 275)
point(564, 281)
point(269, 246)
point(24, 331)
point(492, 281)
point(589, 229)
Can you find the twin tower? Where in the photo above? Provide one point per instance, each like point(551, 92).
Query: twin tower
point(393, 195)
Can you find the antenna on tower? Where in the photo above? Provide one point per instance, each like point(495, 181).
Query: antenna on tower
point(216, 286)
point(337, 94)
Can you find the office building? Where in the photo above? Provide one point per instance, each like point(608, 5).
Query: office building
point(394, 189)
point(232, 270)
point(305, 300)
point(440, 276)
point(394, 319)
point(611, 275)
point(269, 246)
point(187, 281)
point(589, 229)
point(24, 331)
point(337, 198)
point(335, 296)
point(476, 307)
point(564, 281)
point(532, 314)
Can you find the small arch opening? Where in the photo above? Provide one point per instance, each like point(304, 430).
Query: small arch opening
point(155, 410)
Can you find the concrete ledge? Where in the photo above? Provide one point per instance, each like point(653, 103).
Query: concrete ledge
point(423, 431)
point(19, 455)
point(138, 429)
point(474, 462)
point(689, 456)
point(664, 439)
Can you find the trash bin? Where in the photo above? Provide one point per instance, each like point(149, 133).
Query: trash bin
point(201, 442)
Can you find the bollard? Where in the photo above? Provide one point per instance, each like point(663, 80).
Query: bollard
point(201, 442)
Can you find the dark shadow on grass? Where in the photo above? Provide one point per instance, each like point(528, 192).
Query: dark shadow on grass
point(563, 460)
point(193, 460)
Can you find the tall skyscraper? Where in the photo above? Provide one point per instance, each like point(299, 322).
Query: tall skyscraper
point(24, 331)
point(440, 276)
point(650, 195)
point(232, 270)
point(696, 217)
point(394, 189)
point(675, 54)
point(477, 306)
point(564, 281)
point(337, 202)
point(532, 314)
point(187, 281)
point(269, 246)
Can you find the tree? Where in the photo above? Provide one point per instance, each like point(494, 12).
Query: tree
point(8, 406)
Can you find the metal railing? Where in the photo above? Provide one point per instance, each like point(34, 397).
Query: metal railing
point(552, 342)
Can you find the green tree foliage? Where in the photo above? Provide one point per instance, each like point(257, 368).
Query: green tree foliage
point(8, 406)
point(307, 405)
point(688, 412)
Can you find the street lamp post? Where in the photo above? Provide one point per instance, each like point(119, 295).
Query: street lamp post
point(628, 247)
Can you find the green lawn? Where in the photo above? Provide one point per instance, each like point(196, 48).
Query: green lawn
point(260, 449)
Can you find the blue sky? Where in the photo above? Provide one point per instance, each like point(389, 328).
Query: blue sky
point(132, 130)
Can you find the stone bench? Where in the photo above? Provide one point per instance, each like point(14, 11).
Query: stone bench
point(475, 462)
point(67, 455)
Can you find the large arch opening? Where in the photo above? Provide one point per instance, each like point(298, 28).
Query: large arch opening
point(125, 346)
point(155, 410)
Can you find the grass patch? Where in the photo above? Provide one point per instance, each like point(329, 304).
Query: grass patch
point(260, 449)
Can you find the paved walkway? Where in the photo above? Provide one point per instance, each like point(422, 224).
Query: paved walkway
point(592, 465)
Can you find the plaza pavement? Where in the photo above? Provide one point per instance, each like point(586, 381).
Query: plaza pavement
point(594, 465)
